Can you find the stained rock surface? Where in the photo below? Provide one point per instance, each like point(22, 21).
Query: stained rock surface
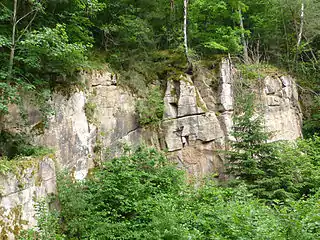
point(98, 120)
point(283, 116)
point(20, 190)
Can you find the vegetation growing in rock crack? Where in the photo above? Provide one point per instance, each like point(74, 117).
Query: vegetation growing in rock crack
point(150, 108)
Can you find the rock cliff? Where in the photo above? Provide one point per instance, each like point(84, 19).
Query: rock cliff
point(28, 181)
point(198, 115)
point(101, 118)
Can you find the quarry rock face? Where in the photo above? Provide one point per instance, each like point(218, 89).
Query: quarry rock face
point(198, 118)
point(198, 111)
point(99, 120)
point(113, 112)
point(70, 134)
point(20, 190)
point(282, 113)
point(103, 115)
point(201, 128)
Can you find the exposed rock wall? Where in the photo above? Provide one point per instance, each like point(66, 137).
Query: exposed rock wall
point(70, 134)
point(28, 182)
point(114, 111)
point(197, 122)
point(198, 115)
point(283, 116)
point(191, 129)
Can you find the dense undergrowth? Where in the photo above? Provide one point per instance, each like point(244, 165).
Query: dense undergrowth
point(141, 195)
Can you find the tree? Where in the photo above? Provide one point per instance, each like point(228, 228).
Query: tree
point(185, 26)
point(299, 37)
point(212, 29)
point(31, 14)
point(243, 38)
point(250, 149)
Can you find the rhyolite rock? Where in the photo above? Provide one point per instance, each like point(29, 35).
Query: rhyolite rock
point(195, 137)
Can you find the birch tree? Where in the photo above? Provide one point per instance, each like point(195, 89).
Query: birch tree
point(301, 26)
point(243, 38)
point(36, 6)
point(172, 5)
point(185, 34)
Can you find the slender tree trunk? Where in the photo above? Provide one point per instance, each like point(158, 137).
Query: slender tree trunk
point(299, 34)
point(286, 37)
point(13, 40)
point(301, 25)
point(185, 28)
point(172, 5)
point(243, 38)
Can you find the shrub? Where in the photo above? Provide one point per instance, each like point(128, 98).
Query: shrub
point(47, 225)
point(150, 108)
point(49, 51)
point(141, 195)
point(118, 200)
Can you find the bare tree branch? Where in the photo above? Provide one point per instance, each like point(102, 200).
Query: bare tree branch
point(26, 15)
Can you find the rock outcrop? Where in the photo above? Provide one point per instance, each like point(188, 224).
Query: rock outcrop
point(203, 121)
point(283, 116)
point(25, 183)
point(69, 133)
point(197, 123)
point(198, 115)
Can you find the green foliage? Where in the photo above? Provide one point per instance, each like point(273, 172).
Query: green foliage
point(89, 110)
point(47, 225)
point(272, 171)
point(211, 30)
point(150, 109)
point(8, 95)
point(250, 150)
point(258, 71)
point(311, 125)
point(300, 165)
point(140, 195)
point(13, 145)
point(49, 51)
point(118, 199)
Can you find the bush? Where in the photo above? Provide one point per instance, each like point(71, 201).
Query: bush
point(119, 200)
point(140, 195)
point(47, 225)
point(150, 109)
point(50, 52)
point(311, 125)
